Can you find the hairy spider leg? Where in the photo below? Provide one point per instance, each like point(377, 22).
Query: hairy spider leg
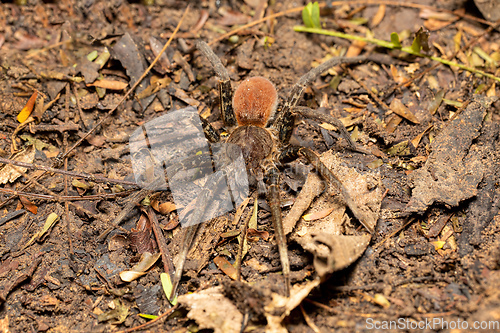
point(285, 120)
point(225, 90)
point(273, 199)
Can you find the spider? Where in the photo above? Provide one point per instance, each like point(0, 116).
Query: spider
point(262, 129)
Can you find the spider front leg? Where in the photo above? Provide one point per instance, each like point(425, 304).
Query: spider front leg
point(284, 121)
point(273, 198)
point(225, 90)
point(326, 118)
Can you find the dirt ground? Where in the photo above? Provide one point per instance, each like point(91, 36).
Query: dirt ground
point(425, 176)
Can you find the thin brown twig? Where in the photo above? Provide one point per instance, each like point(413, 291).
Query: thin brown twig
point(59, 198)
point(66, 204)
point(410, 220)
point(87, 176)
point(166, 258)
point(102, 196)
point(369, 91)
point(309, 322)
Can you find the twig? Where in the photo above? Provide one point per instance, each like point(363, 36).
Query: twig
point(309, 322)
point(87, 176)
point(408, 222)
point(166, 258)
point(102, 196)
point(66, 204)
point(11, 216)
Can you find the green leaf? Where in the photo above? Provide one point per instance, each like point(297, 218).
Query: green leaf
point(147, 316)
point(92, 55)
point(166, 283)
point(315, 16)
point(310, 15)
point(395, 40)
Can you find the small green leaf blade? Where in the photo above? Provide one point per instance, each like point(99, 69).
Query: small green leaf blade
point(315, 16)
point(166, 283)
point(307, 15)
point(395, 40)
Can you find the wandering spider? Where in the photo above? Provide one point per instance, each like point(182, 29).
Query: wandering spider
point(262, 130)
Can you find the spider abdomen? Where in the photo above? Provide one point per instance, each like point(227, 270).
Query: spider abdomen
point(255, 143)
point(254, 101)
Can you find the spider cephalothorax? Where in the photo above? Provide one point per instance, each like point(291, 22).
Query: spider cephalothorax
point(263, 138)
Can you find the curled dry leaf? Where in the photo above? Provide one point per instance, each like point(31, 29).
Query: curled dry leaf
point(109, 84)
point(27, 109)
point(210, 309)
point(333, 251)
point(146, 262)
point(28, 205)
point(9, 173)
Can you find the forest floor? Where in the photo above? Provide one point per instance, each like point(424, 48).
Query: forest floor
point(425, 176)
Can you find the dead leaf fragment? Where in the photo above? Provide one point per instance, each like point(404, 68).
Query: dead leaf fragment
point(119, 313)
point(109, 84)
point(379, 16)
point(28, 205)
point(9, 173)
point(211, 309)
point(146, 262)
point(400, 109)
point(27, 109)
point(226, 267)
point(318, 215)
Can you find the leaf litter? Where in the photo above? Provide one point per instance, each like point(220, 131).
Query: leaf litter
point(327, 229)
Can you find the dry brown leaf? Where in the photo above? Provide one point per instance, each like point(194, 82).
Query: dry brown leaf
point(417, 139)
point(379, 16)
point(400, 109)
point(318, 215)
point(109, 84)
point(8, 173)
point(27, 109)
point(28, 205)
point(166, 208)
point(210, 309)
point(226, 267)
point(434, 24)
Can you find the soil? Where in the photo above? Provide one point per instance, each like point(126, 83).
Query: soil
point(431, 169)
